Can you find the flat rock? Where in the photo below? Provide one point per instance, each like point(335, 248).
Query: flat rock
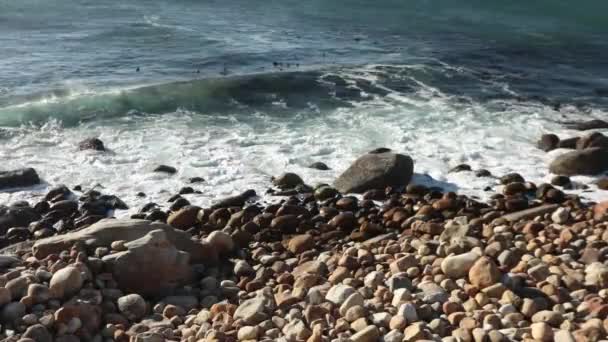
point(376, 171)
point(104, 232)
point(530, 213)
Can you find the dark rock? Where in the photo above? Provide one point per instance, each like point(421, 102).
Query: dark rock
point(196, 180)
point(18, 178)
point(587, 125)
point(140, 194)
point(569, 143)
point(287, 181)
point(57, 191)
point(179, 203)
point(379, 150)
point(592, 140)
point(511, 178)
point(319, 166)
point(590, 161)
point(235, 201)
point(173, 198)
point(114, 202)
point(514, 188)
point(460, 168)
point(560, 180)
point(186, 190)
point(66, 207)
point(16, 217)
point(548, 142)
point(91, 144)
point(166, 169)
point(42, 207)
point(376, 171)
point(157, 215)
point(483, 173)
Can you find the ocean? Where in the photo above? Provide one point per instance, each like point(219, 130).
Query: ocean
point(237, 91)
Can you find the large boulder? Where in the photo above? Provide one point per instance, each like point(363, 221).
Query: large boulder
point(590, 161)
point(376, 171)
point(104, 232)
point(18, 178)
point(548, 142)
point(151, 265)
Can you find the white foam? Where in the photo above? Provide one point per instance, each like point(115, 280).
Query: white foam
point(237, 152)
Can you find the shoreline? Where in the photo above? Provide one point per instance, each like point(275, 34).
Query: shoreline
point(398, 262)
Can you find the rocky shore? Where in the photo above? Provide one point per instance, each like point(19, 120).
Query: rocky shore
point(396, 262)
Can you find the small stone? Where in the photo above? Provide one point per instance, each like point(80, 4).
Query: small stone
point(457, 266)
point(393, 336)
point(11, 312)
point(355, 299)
point(339, 293)
point(552, 318)
point(38, 333)
point(248, 333)
point(563, 336)
point(300, 243)
point(561, 215)
point(368, 334)
point(408, 310)
point(542, 331)
point(484, 273)
point(242, 268)
point(296, 330)
point(221, 241)
point(251, 311)
point(414, 332)
point(133, 306)
point(66, 282)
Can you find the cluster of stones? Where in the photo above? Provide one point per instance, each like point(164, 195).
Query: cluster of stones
point(397, 263)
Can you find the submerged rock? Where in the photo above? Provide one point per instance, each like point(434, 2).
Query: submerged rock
point(166, 169)
point(376, 171)
point(91, 144)
point(319, 166)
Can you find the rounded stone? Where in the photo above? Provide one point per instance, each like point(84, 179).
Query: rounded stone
point(133, 306)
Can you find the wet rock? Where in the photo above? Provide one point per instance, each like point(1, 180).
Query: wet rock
point(568, 143)
point(483, 173)
point(602, 183)
point(235, 201)
point(548, 142)
point(18, 178)
point(560, 180)
point(287, 181)
point(196, 180)
point(512, 178)
point(460, 168)
point(376, 171)
point(165, 169)
point(319, 166)
point(151, 266)
point(590, 161)
point(91, 144)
